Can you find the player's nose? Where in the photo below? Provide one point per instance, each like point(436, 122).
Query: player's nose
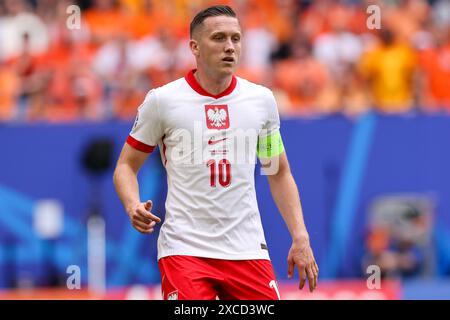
point(229, 46)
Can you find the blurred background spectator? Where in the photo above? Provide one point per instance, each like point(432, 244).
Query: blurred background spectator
point(398, 237)
point(319, 57)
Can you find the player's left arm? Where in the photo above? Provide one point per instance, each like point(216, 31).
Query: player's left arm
point(271, 153)
point(286, 196)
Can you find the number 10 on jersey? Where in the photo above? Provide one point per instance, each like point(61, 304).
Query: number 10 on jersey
point(223, 167)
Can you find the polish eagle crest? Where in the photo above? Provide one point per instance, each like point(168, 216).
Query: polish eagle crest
point(217, 117)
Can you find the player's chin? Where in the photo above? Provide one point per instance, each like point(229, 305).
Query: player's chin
point(227, 68)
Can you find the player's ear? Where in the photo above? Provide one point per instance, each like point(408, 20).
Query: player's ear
point(193, 44)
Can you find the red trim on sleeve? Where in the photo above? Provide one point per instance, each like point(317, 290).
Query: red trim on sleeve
point(190, 79)
point(139, 145)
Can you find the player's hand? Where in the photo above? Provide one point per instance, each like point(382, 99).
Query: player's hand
point(141, 217)
point(302, 255)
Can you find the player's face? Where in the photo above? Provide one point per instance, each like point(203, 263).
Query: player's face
point(218, 45)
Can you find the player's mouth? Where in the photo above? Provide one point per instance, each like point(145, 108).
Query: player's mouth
point(228, 59)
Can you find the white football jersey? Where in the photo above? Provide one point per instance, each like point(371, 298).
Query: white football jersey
point(208, 146)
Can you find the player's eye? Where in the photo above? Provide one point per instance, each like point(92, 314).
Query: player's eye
point(236, 38)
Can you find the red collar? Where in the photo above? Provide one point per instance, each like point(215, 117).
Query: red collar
point(196, 86)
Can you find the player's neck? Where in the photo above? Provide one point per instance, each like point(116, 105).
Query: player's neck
point(211, 84)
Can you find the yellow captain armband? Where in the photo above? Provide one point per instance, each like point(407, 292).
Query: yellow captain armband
point(270, 145)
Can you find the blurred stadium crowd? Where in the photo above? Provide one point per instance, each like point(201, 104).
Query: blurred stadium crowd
point(319, 57)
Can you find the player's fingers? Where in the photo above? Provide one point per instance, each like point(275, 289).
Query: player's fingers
point(311, 278)
point(290, 268)
point(302, 274)
point(141, 227)
point(138, 217)
point(145, 231)
point(316, 267)
point(316, 271)
point(149, 205)
point(145, 221)
point(147, 214)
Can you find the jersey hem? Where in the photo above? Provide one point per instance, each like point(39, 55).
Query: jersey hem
point(224, 256)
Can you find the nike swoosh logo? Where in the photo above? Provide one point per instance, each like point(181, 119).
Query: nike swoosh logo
point(211, 141)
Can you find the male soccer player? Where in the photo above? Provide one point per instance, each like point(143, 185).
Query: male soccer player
point(211, 243)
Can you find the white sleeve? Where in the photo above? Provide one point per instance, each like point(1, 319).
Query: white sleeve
point(272, 123)
point(147, 128)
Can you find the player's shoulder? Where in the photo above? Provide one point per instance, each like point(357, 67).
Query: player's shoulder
point(254, 88)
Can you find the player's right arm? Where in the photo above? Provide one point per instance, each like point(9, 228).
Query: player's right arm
point(127, 187)
point(143, 138)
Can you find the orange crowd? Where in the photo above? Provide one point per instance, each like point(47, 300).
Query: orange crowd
point(319, 57)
